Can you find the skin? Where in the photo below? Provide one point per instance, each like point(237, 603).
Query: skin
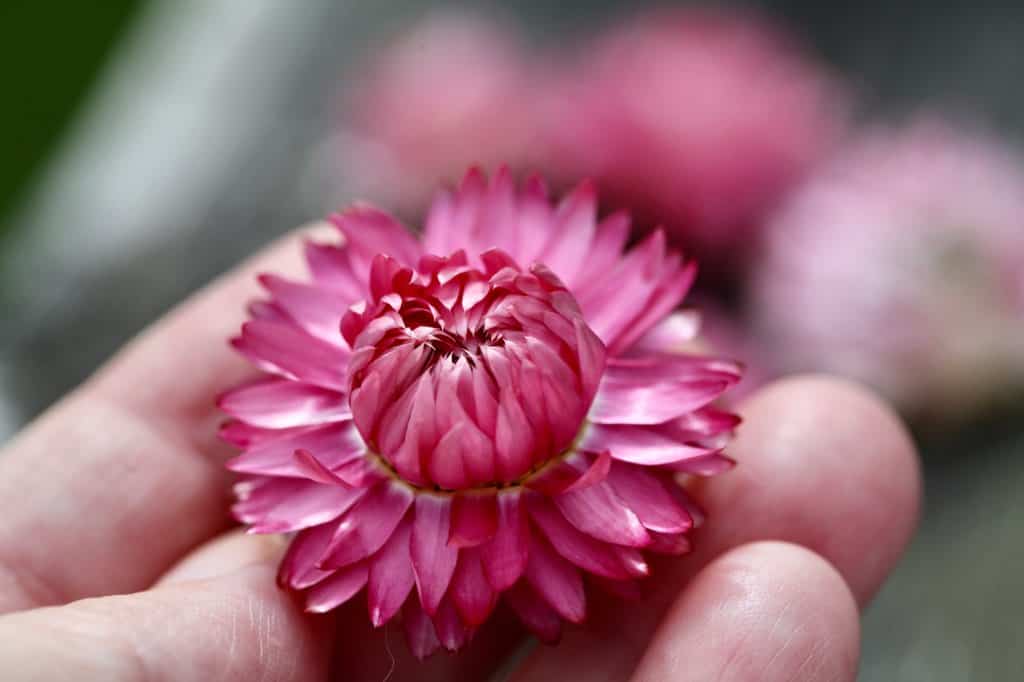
point(118, 560)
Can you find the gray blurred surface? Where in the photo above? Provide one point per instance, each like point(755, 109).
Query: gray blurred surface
point(206, 138)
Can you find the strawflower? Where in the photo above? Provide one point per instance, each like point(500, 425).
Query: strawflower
point(493, 412)
point(901, 264)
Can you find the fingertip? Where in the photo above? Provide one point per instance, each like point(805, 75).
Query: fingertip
point(768, 611)
point(842, 468)
point(226, 554)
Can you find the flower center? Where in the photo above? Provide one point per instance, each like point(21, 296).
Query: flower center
point(464, 377)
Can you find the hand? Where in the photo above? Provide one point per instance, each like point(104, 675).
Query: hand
point(120, 490)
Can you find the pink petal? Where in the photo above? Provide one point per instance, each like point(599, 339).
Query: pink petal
point(540, 618)
point(451, 632)
point(314, 308)
point(334, 445)
point(282, 403)
point(646, 495)
point(337, 589)
point(474, 519)
point(391, 576)
point(583, 550)
point(368, 525)
point(647, 446)
point(286, 349)
point(506, 555)
point(708, 465)
point(575, 471)
point(419, 630)
point(592, 359)
point(675, 544)
point(282, 505)
point(598, 511)
point(625, 398)
point(674, 334)
point(298, 567)
point(331, 268)
point(665, 297)
point(557, 581)
point(370, 232)
point(433, 559)
point(473, 596)
point(572, 232)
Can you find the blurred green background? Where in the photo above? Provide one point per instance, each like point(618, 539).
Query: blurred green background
point(49, 58)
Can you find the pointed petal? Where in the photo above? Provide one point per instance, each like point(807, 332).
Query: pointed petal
point(451, 631)
point(391, 576)
point(557, 581)
point(506, 555)
point(473, 596)
point(285, 349)
point(647, 446)
point(645, 493)
point(598, 512)
point(298, 567)
point(419, 630)
point(282, 403)
point(283, 505)
point(314, 308)
point(594, 556)
point(433, 559)
point(341, 586)
point(535, 613)
point(474, 519)
point(333, 444)
point(368, 525)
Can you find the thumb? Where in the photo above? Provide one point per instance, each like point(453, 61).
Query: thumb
point(217, 615)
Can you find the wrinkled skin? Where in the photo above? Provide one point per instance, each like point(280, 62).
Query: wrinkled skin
point(115, 491)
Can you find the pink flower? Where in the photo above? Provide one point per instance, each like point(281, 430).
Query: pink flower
point(902, 264)
point(452, 92)
point(696, 119)
point(496, 411)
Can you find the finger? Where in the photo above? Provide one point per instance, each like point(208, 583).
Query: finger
point(235, 626)
point(108, 488)
point(822, 464)
point(769, 611)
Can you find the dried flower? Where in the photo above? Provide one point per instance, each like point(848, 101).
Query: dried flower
point(447, 426)
point(697, 119)
point(454, 91)
point(902, 264)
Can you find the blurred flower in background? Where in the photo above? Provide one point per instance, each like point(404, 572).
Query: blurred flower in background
point(902, 264)
point(452, 92)
point(697, 119)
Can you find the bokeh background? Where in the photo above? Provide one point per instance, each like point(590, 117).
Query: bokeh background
point(150, 144)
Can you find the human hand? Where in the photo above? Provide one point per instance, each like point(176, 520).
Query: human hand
point(120, 490)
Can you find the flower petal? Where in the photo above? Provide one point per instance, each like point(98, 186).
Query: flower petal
point(472, 595)
point(474, 519)
point(368, 525)
point(506, 555)
point(535, 613)
point(283, 505)
point(647, 446)
point(285, 349)
point(341, 586)
point(391, 576)
point(451, 631)
point(433, 559)
point(646, 495)
point(334, 445)
point(598, 512)
point(557, 581)
point(281, 403)
point(419, 630)
point(298, 567)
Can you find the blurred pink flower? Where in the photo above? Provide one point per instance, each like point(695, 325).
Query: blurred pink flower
point(697, 119)
point(440, 417)
point(452, 92)
point(902, 264)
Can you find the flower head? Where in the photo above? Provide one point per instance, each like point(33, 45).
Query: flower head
point(454, 90)
point(902, 264)
point(698, 119)
point(493, 412)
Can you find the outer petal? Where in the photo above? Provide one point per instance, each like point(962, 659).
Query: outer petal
point(598, 512)
point(281, 404)
point(333, 444)
point(557, 581)
point(433, 559)
point(451, 632)
point(647, 446)
point(646, 495)
point(535, 613)
point(506, 555)
point(298, 567)
point(419, 630)
point(285, 349)
point(391, 576)
point(368, 525)
point(341, 586)
point(474, 519)
point(282, 505)
point(472, 595)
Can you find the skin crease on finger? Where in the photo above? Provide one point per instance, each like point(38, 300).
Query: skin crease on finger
point(767, 611)
point(821, 463)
